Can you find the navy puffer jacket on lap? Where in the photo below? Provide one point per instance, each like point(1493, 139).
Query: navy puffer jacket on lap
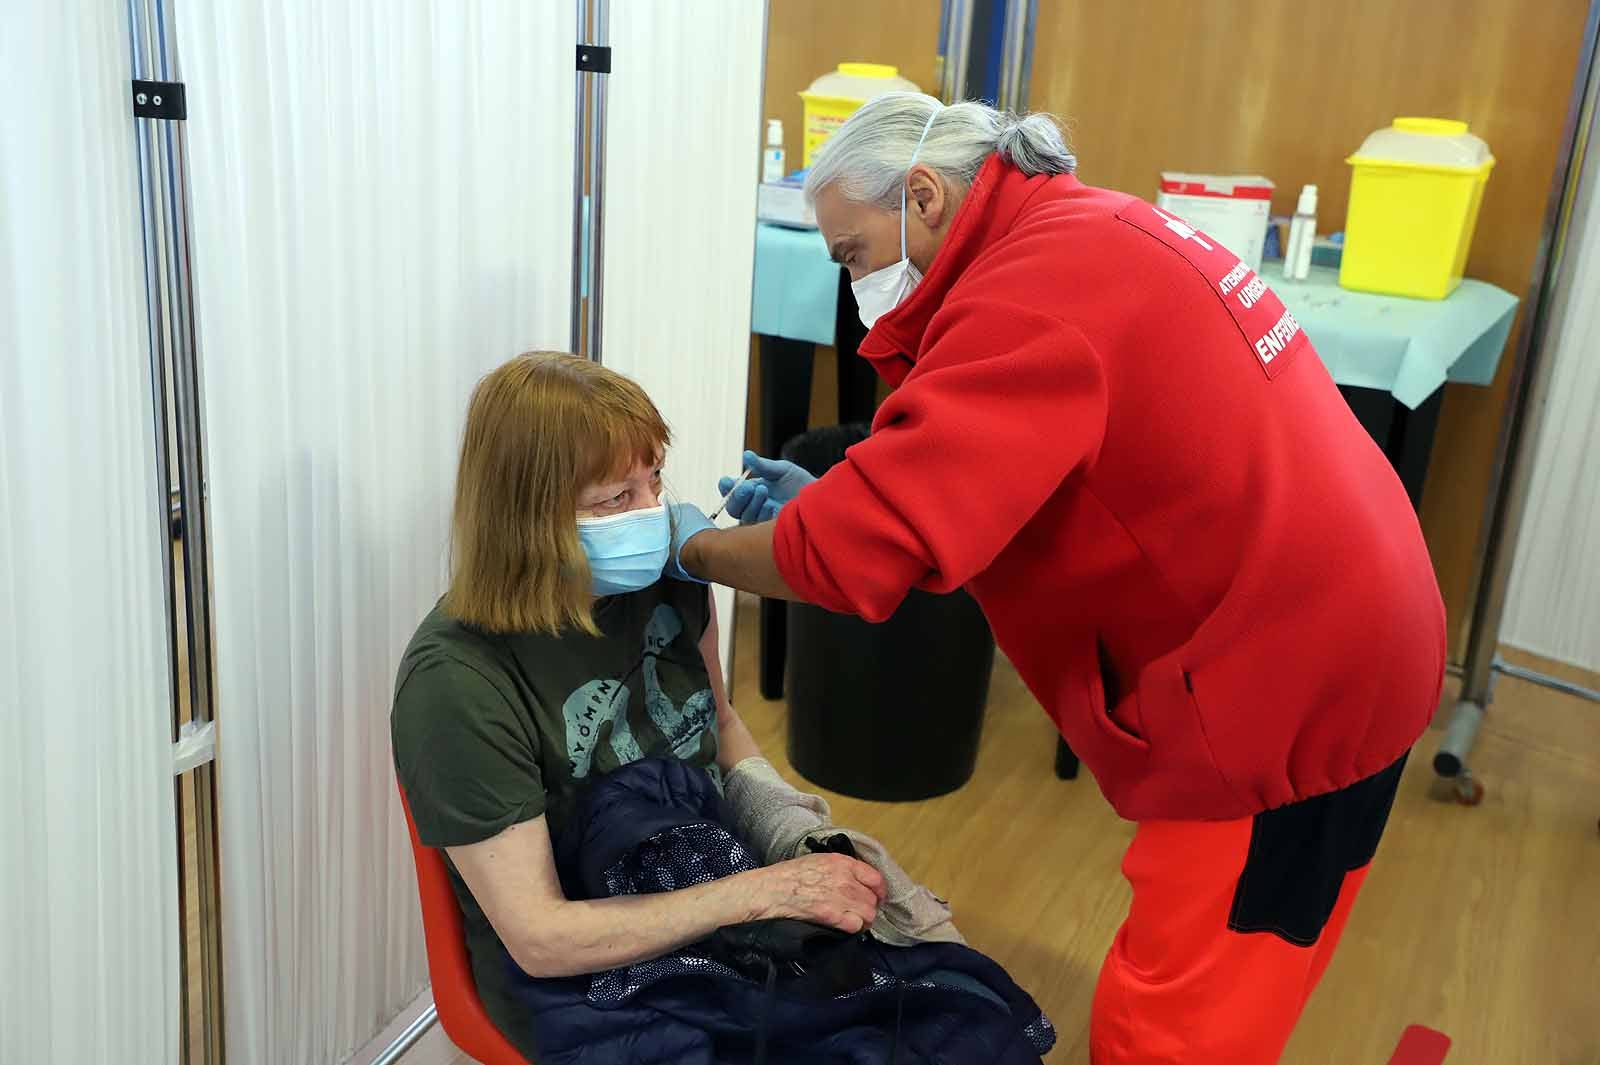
point(772, 993)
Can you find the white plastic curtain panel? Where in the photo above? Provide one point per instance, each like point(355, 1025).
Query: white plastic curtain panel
point(382, 212)
point(1553, 602)
point(88, 859)
point(682, 158)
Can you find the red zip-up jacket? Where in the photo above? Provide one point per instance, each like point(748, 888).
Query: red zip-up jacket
point(1114, 435)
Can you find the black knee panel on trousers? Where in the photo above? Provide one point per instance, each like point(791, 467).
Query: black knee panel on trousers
point(1300, 853)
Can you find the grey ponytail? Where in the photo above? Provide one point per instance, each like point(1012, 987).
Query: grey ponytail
point(1034, 145)
point(869, 156)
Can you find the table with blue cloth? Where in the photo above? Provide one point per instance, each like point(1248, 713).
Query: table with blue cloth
point(1390, 357)
point(801, 298)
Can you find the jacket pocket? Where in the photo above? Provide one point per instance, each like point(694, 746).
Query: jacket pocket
point(1113, 708)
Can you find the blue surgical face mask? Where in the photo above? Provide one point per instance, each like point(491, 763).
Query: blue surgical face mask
point(626, 551)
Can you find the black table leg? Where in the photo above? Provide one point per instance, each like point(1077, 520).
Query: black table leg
point(774, 627)
point(858, 381)
point(785, 391)
point(785, 408)
point(1066, 761)
point(1411, 444)
point(1405, 435)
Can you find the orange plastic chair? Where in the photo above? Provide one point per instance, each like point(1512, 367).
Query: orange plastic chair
point(449, 966)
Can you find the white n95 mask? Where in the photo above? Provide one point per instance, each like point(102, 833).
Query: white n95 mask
point(883, 290)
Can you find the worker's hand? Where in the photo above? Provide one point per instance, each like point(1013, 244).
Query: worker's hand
point(775, 482)
point(688, 521)
point(826, 889)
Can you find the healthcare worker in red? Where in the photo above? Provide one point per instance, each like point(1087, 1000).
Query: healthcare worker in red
point(1110, 430)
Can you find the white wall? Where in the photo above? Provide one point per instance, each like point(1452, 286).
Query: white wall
point(682, 156)
point(1553, 603)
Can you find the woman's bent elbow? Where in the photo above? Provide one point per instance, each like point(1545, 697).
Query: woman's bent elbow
point(533, 961)
point(544, 963)
point(541, 958)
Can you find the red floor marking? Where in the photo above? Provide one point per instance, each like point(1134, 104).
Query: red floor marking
point(1420, 1046)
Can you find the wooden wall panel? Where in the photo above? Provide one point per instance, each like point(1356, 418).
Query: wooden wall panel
point(807, 38)
point(1289, 90)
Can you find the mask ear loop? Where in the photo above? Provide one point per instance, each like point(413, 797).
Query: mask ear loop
point(938, 108)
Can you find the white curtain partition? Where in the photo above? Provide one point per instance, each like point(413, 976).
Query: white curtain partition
point(88, 891)
point(682, 160)
point(1553, 603)
point(382, 205)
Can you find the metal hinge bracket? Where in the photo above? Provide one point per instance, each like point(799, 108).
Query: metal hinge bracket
point(160, 99)
point(594, 59)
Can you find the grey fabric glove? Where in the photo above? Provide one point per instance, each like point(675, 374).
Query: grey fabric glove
point(769, 813)
point(776, 819)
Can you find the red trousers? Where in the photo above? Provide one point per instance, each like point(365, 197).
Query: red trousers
point(1232, 925)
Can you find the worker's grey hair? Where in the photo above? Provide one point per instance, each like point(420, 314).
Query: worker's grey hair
point(867, 159)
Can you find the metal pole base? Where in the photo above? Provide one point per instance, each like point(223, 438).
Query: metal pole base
point(1451, 761)
point(1458, 739)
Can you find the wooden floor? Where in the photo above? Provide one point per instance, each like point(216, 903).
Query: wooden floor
point(1482, 923)
point(193, 1031)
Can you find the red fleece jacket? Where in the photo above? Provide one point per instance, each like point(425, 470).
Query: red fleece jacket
point(1113, 434)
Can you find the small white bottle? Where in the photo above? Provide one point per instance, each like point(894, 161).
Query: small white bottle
point(1302, 235)
point(772, 156)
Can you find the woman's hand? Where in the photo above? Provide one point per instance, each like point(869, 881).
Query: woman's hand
point(827, 889)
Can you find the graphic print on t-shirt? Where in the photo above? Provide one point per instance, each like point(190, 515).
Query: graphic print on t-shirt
point(598, 711)
point(681, 727)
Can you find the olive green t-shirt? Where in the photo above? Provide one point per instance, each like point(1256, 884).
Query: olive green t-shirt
point(490, 731)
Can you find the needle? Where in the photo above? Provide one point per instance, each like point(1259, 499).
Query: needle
point(743, 477)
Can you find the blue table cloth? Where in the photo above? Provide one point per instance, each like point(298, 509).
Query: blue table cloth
point(1408, 348)
point(796, 291)
point(1405, 347)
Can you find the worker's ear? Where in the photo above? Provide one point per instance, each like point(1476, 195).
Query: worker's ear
point(925, 196)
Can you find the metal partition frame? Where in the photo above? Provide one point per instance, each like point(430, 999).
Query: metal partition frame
point(589, 175)
point(1016, 54)
point(986, 51)
point(955, 49)
point(1513, 467)
point(159, 109)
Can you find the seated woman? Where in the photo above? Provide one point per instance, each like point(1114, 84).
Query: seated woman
point(559, 654)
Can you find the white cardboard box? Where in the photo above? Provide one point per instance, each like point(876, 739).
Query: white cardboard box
point(1233, 209)
point(784, 203)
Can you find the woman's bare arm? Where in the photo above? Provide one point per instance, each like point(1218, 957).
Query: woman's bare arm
point(513, 877)
point(734, 742)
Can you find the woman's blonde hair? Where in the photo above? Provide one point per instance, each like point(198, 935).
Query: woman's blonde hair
point(540, 429)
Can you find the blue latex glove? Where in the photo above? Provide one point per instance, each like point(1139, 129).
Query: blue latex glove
point(687, 522)
point(759, 499)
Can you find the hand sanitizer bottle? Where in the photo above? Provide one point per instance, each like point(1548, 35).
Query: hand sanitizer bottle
point(1302, 235)
point(772, 155)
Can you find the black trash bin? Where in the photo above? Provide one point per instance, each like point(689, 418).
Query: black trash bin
point(890, 712)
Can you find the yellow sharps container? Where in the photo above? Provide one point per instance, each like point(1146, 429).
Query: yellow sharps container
point(1415, 190)
point(838, 94)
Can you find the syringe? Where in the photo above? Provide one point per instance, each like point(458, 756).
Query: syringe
point(743, 477)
